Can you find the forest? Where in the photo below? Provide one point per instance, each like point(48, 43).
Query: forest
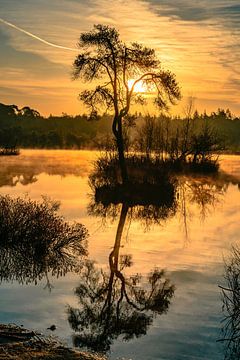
point(27, 128)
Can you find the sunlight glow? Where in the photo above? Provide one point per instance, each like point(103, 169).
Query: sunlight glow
point(138, 88)
point(197, 54)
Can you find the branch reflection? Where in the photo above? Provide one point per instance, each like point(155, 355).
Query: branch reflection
point(154, 203)
point(112, 304)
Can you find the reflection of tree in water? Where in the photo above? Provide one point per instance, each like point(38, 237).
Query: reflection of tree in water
point(231, 306)
point(36, 242)
point(149, 203)
point(13, 179)
point(112, 304)
point(204, 193)
point(25, 169)
point(153, 203)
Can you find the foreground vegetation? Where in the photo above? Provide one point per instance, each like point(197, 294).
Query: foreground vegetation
point(35, 242)
point(22, 344)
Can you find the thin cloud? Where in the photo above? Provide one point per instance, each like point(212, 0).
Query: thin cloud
point(37, 37)
point(198, 41)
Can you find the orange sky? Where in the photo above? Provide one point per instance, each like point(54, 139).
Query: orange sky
point(198, 41)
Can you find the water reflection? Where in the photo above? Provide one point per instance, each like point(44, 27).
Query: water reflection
point(112, 304)
point(187, 330)
point(146, 202)
point(25, 168)
point(15, 178)
point(36, 242)
point(155, 203)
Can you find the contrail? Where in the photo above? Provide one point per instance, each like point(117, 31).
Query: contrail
point(37, 37)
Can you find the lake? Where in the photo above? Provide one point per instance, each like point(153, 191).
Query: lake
point(190, 240)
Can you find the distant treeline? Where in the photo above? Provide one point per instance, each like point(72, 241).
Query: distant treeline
point(26, 128)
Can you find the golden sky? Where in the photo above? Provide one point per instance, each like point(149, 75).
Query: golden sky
point(197, 40)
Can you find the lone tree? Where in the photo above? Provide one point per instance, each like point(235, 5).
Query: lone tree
point(120, 68)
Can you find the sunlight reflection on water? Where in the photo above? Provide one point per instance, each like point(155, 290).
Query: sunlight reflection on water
point(194, 264)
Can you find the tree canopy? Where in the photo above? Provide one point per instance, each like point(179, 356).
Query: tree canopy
point(105, 57)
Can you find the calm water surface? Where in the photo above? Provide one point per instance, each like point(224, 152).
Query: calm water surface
point(190, 244)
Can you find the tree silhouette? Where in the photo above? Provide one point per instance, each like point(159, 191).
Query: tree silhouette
point(8, 110)
point(107, 59)
point(28, 112)
point(35, 241)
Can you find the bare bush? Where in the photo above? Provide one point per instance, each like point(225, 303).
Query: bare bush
point(35, 241)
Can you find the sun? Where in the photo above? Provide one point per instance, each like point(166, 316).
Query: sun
point(138, 88)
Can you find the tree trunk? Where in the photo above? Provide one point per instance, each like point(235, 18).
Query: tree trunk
point(117, 130)
point(122, 161)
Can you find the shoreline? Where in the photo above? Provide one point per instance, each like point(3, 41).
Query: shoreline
point(16, 342)
point(218, 153)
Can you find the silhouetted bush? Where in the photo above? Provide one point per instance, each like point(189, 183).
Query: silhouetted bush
point(35, 240)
